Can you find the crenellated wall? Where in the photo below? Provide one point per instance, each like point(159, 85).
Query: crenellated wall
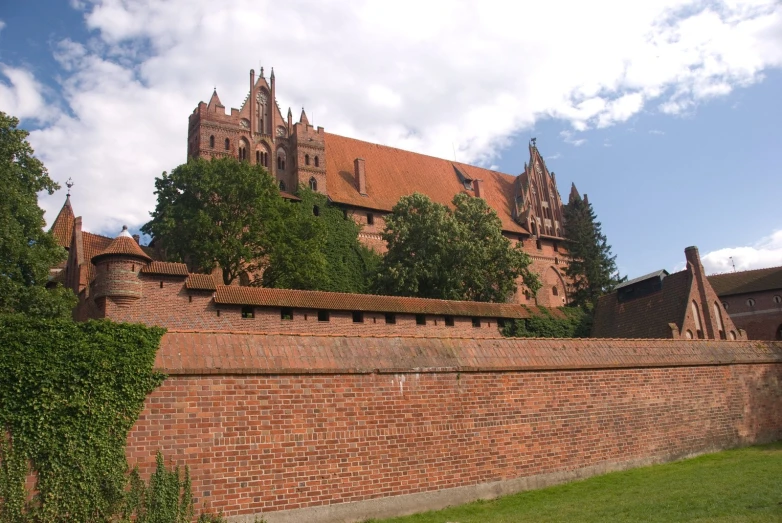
point(344, 428)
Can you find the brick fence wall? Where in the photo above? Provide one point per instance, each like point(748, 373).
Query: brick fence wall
point(303, 425)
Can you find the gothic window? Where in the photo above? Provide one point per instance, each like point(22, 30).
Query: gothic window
point(281, 160)
point(317, 163)
point(258, 157)
point(212, 142)
point(555, 291)
point(313, 184)
point(227, 144)
point(696, 316)
point(718, 316)
point(306, 159)
point(282, 186)
point(260, 125)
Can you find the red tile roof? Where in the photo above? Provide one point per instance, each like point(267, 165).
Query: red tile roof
point(647, 316)
point(392, 173)
point(123, 244)
point(200, 282)
point(263, 297)
point(93, 245)
point(62, 228)
point(168, 268)
point(747, 281)
point(183, 352)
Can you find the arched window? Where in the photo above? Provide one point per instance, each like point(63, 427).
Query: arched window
point(282, 185)
point(313, 184)
point(306, 159)
point(258, 157)
point(212, 142)
point(696, 317)
point(317, 162)
point(555, 291)
point(227, 144)
point(688, 334)
point(718, 316)
point(281, 160)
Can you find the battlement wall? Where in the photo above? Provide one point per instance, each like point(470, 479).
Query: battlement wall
point(344, 428)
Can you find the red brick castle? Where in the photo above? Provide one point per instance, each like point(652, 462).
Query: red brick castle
point(368, 179)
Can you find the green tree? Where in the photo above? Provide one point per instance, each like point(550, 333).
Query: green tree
point(229, 214)
point(460, 254)
point(26, 251)
point(592, 268)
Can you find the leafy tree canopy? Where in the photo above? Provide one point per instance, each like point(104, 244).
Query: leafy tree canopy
point(459, 254)
point(26, 251)
point(592, 268)
point(224, 213)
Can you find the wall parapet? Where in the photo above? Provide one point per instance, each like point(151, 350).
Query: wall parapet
point(221, 352)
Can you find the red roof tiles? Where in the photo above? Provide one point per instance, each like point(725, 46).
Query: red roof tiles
point(262, 297)
point(243, 353)
point(167, 268)
point(392, 173)
point(123, 244)
point(201, 282)
point(747, 281)
point(62, 228)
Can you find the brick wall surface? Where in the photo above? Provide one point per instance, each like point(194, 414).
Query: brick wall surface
point(269, 423)
point(761, 317)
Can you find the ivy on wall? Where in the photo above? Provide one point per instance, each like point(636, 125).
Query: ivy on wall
point(69, 395)
point(572, 322)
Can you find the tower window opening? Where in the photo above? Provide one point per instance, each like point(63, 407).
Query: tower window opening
point(282, 185)
point(212, 142)
point(227, 144)
point(306, 159)
point(317, 162)
point(370, 219)
point(258, 157)
point(313, 184)
point(555, 290)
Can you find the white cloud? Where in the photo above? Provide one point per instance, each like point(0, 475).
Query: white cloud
point(567, 136)
point(656, 131)
point(765, 253)
point(21, 95)
point(427, 76)
point(2, 25)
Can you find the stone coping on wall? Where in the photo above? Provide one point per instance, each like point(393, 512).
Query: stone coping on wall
point(221, 352)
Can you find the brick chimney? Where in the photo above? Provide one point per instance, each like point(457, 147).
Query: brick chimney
point(477, 186)
point(361, 176)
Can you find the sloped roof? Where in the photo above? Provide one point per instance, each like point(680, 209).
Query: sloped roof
point(746, 281)
point(200, 282)
point(656, 274)
point(392, 173)
point(263, 297)
point(647, 316)
point(167, 268)
point(62, 228)
point(123, 244)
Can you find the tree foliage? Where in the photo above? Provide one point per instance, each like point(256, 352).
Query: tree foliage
point(69, 395)
point(572, 322)
point(459, 254)
point(26, 251)
point(591, 269)
point(229, 214)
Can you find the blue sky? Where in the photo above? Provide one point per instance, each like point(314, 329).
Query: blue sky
point(671, 120)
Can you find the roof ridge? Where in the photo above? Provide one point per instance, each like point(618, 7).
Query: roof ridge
point(744, 272)
point(422, 154)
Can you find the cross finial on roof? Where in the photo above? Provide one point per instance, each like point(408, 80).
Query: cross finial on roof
point(69, 184)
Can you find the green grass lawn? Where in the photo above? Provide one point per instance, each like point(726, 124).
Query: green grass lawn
point(743, 485)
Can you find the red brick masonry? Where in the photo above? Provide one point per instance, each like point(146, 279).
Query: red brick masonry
point(277, 422)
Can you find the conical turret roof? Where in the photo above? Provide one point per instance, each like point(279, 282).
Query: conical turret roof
point(123, 245)
point(62, 228)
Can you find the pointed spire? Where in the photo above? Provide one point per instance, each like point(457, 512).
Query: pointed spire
point(290, 113)
point(214, 100)
point(272, 75)
point(261, 71)
point(574, 195)
point(303, 117)
point(62, 228)
point(123, 245)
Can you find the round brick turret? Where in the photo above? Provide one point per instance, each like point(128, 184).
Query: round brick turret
point(117, 269)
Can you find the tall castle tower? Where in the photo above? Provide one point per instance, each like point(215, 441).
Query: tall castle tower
point(293, 153)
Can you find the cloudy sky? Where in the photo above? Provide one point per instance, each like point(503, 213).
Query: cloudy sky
point(668, 114)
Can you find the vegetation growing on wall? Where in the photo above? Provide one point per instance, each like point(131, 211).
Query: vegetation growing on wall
point(570, 322)
point(26, 251)
point(69, 395)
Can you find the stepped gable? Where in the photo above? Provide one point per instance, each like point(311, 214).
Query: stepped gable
point(264, 297)
point(124, 244)
point(62, 228)
point(392, 173)
point(743, 282)
point(647, 316)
